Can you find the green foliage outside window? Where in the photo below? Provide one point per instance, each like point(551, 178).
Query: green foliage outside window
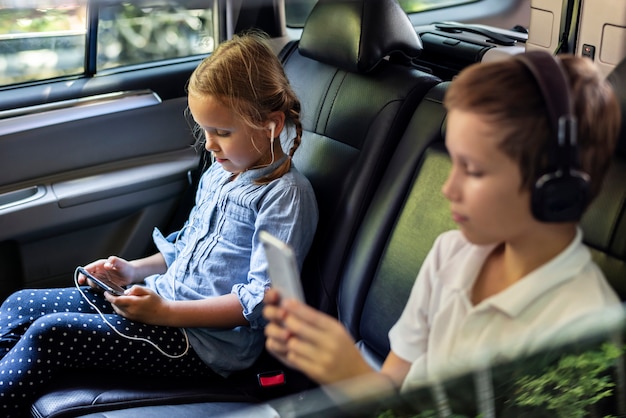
point(572, 387)
point(14, 21)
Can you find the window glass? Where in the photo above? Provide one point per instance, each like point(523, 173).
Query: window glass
point(298, 10)
point(145, 31)
point(41, 39)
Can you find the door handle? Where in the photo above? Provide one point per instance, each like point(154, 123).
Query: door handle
point(22, 196)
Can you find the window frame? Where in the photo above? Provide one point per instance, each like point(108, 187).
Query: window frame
point(53, 90)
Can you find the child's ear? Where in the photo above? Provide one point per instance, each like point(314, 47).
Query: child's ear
point(275, 124)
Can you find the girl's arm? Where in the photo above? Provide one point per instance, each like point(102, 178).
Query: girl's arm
point(143, 267)
point(144, 305)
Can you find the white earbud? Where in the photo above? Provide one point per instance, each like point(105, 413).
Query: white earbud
point(272, 126)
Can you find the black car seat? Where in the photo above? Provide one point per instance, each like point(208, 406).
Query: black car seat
point(358, 90)
point(352, 71)
point(406, 215)
point(605, 222)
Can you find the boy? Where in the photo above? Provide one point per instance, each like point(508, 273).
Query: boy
point(513, 275)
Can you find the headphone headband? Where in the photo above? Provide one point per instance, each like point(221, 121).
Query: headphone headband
point(554, 86)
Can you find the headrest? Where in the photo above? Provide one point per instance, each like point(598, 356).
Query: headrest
point(617, 78)
point(355, 35)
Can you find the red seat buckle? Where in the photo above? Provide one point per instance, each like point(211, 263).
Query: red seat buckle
point(270, 379)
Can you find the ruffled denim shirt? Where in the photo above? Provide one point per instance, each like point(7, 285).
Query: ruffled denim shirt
point(218, 252)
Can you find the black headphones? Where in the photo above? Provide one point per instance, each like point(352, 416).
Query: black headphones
point(562, 193)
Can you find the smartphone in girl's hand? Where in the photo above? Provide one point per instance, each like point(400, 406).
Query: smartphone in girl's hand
point(103, 283)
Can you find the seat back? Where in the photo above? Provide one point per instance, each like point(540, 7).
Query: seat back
point(406, 215)
point(604, 223)
point(358, 91)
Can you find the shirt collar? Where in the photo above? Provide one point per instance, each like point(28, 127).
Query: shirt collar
point(516, 298)
point(253, 174)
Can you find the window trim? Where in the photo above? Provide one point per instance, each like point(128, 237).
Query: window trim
point(55, 90)
point(33, 117)
point(91, 41)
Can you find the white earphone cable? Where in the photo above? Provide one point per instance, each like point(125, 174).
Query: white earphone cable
point(272, 127)
point(130, 337)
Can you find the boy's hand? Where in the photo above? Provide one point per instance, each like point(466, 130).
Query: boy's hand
point(311, 341)
point(277, 336)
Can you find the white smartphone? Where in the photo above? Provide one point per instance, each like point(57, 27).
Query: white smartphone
point(282, 267)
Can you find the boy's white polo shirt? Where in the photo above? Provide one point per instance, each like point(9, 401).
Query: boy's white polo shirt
point(441, 333)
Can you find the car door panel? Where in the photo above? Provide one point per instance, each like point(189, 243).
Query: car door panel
point(86, 178)
point(58, 148)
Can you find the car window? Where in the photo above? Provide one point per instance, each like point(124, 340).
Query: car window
point(41, 42)
point(152, 31)
point(298, 10)
point(44, 39)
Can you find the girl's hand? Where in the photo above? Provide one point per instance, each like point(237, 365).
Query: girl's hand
point(141, 304)
point(311, 341)
point(114, 268)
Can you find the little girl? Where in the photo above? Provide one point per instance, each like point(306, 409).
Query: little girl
point(194, 308)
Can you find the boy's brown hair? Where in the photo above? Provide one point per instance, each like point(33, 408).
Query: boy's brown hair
point(506, 93)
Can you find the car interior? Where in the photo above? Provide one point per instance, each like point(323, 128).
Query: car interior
point(93, 164)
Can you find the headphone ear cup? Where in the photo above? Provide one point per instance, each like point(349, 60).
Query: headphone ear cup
point(560, 198)
point(562, 194)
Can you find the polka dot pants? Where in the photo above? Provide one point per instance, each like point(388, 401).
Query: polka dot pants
point(43, 332)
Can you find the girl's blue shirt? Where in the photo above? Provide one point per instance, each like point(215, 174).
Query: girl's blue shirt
point(218, 252)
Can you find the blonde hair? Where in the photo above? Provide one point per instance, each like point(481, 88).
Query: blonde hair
point(246, 75)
